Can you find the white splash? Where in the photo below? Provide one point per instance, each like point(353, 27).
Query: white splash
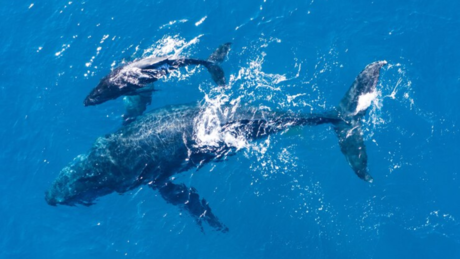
point(98, 51)
point(364, 101)
point(209, 124)
point(170, 46)
point(104, 38)
point(64, 48)
point(201, 21)
point(172, 23)
point(250, 84)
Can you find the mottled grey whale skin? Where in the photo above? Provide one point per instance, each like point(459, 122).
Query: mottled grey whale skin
point(162, 143)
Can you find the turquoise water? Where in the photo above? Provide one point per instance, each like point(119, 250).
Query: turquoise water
point(290, 196)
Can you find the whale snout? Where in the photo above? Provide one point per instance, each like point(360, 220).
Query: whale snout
point(97, 96)
point(54, 198)
point(102, 94)
point(50, 199)
point(89, 101)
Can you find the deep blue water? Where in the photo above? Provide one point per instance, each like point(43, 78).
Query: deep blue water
point(292, 196)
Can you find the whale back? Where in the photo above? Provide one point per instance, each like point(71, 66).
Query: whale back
point(149, 62)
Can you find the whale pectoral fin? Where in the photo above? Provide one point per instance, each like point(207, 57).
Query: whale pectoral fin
point(187, 199)
point(352, 146)
point(135, 105)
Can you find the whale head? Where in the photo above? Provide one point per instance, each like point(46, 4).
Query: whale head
point(100, 94)
point(81, 182)
point(121, 81)
point(106, 90)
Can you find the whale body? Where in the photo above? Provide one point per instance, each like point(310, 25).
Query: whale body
point(162, 143)
point(136, 77)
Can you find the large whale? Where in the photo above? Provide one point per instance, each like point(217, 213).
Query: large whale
point(162, 143)
point(134, 80)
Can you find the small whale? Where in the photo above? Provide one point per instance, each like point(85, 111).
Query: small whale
point(162, 143)
point(136, 77)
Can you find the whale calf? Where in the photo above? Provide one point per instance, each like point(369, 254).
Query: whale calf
point(134, 80)
point(159, 144)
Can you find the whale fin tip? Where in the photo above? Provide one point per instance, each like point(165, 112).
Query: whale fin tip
point(219, 55)
point(212, 64)
point(188, 199)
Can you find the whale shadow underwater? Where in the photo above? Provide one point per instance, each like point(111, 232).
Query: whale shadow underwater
point(161, 143)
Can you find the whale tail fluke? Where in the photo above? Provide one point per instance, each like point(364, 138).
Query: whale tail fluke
point(217, 57)
point(352, 146)
point(351, 109)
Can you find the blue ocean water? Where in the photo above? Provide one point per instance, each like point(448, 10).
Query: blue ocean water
point(290, 196)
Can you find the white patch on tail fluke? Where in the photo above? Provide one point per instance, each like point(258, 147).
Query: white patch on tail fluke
point(364, 101)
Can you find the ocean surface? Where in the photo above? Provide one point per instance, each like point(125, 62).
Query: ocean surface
point(292, 195)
